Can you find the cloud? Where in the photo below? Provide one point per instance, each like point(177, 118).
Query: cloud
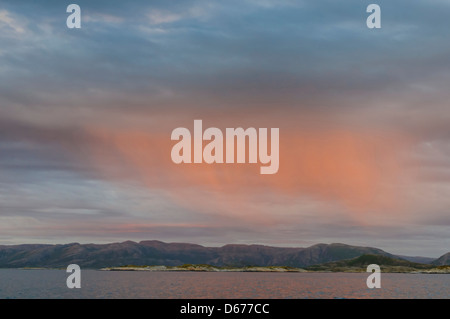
point(87, 115)
point(9, 24)
point(102, 18)
point(332, 163)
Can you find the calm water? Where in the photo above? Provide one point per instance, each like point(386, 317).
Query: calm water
point(15, 283)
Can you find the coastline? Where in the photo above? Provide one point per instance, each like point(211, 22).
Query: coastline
point(273, 269)
point(277, 269)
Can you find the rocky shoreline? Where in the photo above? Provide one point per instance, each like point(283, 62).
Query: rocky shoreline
point(204, 268)
point(280, 269)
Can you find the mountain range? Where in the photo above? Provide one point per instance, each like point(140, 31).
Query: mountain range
point(175, 254)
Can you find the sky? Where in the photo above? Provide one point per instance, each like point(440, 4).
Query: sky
point(86, 117)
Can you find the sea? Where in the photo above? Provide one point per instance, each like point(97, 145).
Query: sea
point(51, 284)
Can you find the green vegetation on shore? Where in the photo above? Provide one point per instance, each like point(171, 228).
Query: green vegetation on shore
point(206, 268)
point(358, 264)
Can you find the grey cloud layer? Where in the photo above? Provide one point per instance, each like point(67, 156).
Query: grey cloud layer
point(290, 51)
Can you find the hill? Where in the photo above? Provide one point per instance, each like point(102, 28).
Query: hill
point(175, 254)
point(418, 259)
point(359, 264)
point(443, 260)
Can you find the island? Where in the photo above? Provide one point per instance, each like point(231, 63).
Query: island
point(358, 264)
